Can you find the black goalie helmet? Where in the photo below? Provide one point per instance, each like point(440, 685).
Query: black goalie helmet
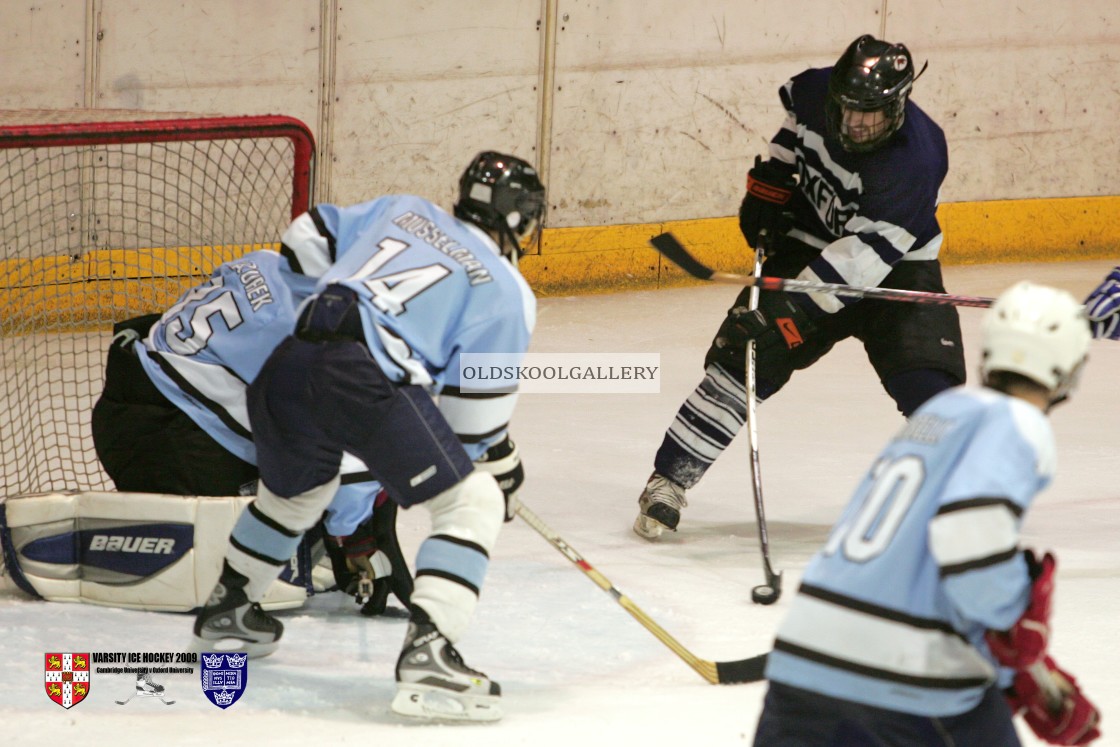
point(502, 194)
point(870, 78)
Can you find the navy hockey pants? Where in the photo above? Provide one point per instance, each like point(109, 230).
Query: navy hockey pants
point(792, 717)
point(916, 349)
point(315, 399)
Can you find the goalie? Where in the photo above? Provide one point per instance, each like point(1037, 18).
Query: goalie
point(172, 417)
point(171, 421)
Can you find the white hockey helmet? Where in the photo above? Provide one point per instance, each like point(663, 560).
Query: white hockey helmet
point(1038, 332)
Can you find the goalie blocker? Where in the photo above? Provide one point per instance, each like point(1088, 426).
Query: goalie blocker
point(165, 556)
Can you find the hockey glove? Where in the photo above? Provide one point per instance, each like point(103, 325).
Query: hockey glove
point(777, 324)
point(769, 187)
point(1025, 643)
point(503, 461)
point(372, 564)
point(1053, 706)
point(1103, 307)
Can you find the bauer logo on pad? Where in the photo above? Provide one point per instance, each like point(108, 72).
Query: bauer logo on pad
point(224, 677)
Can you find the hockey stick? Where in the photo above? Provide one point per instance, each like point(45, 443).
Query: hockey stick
point(769, 592)
point(715, 672)
point(673, 250)
point(144, 695)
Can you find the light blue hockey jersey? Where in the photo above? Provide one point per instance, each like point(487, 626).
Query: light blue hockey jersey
point(431, 289)
point(892, 612)
point(206, 349)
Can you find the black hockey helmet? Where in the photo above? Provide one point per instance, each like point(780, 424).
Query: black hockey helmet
point(504, 195)
point(870, 76)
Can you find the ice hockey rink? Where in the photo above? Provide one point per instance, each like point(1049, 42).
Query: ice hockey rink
point(575, 668)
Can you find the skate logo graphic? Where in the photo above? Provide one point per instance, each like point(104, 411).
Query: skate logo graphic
point(224, 677)
point(146, 687)
point(67, 678)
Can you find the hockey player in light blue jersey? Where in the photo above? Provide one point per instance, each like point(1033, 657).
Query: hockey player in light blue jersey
point(405, 290)
point(921, 605)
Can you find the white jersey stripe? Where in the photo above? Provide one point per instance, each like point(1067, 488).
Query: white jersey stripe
point(967, 535)
point(310, 247)
point(867, 640)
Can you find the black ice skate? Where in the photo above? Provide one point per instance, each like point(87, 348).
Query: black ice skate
point(230, 622)
point(434, 683)
point(659, 507)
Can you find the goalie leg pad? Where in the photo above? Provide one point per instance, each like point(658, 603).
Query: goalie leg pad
point(452, 562)
point(133, 550)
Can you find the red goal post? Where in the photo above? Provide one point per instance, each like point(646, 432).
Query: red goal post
point(106, 215)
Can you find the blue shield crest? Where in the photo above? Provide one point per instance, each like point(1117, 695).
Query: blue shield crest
point(224, 676)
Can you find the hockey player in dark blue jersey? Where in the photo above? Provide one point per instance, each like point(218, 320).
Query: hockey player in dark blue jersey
point(849, 195)
point(921, 621)
point(1103, 305)
point(408, 291)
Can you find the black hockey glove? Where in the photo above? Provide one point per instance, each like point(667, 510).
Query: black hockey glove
point(503, 461)
point(368, 564)
point(769, 187)
point(778, 323)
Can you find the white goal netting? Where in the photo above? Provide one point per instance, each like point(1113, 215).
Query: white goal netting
point(105, 216)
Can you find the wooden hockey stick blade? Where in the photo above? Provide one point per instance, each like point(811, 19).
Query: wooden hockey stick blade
point(673, 250)
point(715, 672)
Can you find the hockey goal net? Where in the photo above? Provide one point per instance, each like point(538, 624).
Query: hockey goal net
point(105, 216)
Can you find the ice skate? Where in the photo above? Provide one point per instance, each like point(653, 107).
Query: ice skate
point(434, 683)
point(660, 507)
point(230, 622)
point(145, 686)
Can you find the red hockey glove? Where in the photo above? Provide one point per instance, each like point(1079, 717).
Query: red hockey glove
point(769, 187)
point(1025, 643)
point(1053, 706)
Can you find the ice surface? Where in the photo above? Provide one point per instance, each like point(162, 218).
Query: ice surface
point(575, 668)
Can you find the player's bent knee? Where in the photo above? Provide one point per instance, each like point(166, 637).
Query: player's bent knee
point(298, 512)
point(472, 510)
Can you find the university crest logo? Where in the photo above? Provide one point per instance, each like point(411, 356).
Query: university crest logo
point(224, 677)
point(67, 678)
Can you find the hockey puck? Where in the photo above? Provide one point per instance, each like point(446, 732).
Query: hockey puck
point(764, 595)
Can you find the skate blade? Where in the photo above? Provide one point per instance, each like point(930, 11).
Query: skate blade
point(436, 704)
point(649, 528)
point(232, 646)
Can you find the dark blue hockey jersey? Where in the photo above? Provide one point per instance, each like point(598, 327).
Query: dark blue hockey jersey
point(865, 211)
